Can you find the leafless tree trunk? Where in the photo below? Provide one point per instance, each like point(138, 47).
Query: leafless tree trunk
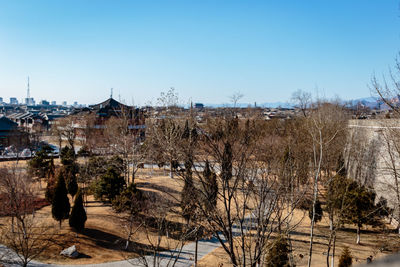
point(125, 141)
point(25, 235)
point(326, 125)
point(164, 241)
point(250, 193)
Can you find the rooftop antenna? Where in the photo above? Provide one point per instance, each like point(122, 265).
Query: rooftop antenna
point(28, 93)
point(111, 92)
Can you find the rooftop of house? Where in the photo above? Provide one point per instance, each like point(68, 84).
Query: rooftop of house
point(110, 103)
point(6, 124)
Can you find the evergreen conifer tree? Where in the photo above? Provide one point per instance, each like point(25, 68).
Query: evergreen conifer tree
point(70, 177)
point(78, 216)
point(42, 164)
point(70, 169)
point(60, 206)
point(278, 253)
point(188, 194)
point(210, 188)
point(226, 164)
point(318, 211)
point(346, 259)
point(361, 208)
point(67, 156)
point(110, 185)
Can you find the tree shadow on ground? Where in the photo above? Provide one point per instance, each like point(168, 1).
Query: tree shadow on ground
point(103, 239)
point(97, 203)
point(146, 185)
point(83, 256)
point(362, 231)
point(174, 229)
point(307, 241)
point(306, 234)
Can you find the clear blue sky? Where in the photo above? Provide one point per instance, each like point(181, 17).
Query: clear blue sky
point(78, 50)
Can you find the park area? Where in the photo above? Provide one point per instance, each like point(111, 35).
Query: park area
point(104, 237)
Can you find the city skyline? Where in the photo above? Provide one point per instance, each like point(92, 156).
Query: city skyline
point(79, 50)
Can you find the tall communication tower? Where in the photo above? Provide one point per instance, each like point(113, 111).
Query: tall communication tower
point(28, 93)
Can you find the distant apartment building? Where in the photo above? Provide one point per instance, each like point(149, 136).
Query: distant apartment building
point(64, 103)
point(199, 105)
point(30, 101)
point(44, 103)
point(1, 100)
point(53, 103)
point(13, 101)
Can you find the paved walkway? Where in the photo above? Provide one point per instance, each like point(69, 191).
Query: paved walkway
point(186, 258)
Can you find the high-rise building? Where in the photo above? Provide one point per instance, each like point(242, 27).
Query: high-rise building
point(30, 101)
point(44, 103)
point(13, 101)
point(64, 103)
point(53, 103)
point(1, 100)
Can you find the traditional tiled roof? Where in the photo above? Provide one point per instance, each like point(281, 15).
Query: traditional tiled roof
point(110, 103)
point(7, 124)
point(25, 115)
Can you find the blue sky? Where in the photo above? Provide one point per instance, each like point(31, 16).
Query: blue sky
point(207, 50)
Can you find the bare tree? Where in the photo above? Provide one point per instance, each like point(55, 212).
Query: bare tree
point(124, 140)
point(164, 238)
point(162, 140)
point(235, 97)
point(25, 234)
point(389, 181)
point(302, 100)
point(249, 207)
point(64, 129)
point(389, 88)
point(169, 100)
point(325, 125)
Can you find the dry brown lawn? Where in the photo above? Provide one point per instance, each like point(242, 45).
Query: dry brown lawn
point(372, 242)
point(103, 238)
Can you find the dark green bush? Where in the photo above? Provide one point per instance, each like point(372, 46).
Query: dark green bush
point(346, 259)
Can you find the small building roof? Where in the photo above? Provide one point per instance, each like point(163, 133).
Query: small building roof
point(110, 103)
point(7, 125)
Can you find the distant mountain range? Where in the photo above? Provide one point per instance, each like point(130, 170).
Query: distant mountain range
point(370, 102)
point(245, 105)
point(374, 102)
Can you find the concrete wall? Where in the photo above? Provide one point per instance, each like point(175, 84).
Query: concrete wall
point(368, 158)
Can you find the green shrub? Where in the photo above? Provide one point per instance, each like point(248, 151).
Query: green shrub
point(318, 211)
point(110, 185)
point(131, 200)
point(67, 155)
point(278, 253)
point(346, 259)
